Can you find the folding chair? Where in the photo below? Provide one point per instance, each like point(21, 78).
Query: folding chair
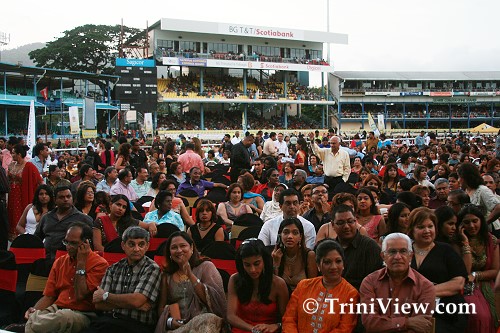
point(217, 195)
point(9, 307)
point(222, 255)
point(241, 223)
point(164, 230)
point(26, 248)
point(249, 232)
point(37, 279)
point(225, 278)
point(113, 251)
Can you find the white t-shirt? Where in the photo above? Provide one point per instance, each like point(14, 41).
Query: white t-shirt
point(269, 232)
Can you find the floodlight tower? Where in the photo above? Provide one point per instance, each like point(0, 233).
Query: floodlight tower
point(4, 40)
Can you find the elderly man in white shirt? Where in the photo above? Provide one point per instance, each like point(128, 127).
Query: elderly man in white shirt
point(290, 206)
point(336, 162)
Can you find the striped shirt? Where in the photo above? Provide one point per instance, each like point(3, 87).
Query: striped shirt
point(143, 278)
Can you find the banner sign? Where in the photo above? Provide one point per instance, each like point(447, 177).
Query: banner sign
point(125, 62)
point(262, 32)
point(441, 93)
point(411, 93)
point(148, 123)
point(172, 61)
point(381, 122)
point(482, 93)
point(454, 100)
point(131, 116)
point(89, 134)
point(74, 120)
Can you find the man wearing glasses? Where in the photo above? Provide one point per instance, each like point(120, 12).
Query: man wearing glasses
point(320, 213)
point(362, 254)
point(66, 305)
point(290, 206)
point(394, 286)
point(129, 290)
point(53, 226)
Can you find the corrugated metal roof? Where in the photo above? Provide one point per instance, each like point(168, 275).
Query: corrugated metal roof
point(421, 76)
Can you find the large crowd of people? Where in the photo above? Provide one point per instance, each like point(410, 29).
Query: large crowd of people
point(227, 86)
point(229, 120)
point(319, 234)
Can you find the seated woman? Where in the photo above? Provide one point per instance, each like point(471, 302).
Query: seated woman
point(287, 176)
point(266, 190)
point(43, 202)
point(447, 227)
point(206, 230)
point(330, 262)
point(111, 226)
point(256, 297)
point(292, 260)
point(440, 265)
point(272, 208)
point(254, 200)
point(368, 215)
point(390, 182)
point(177, 173)
point(156, 181)
point(84, 200)
point(485, 266)
point(191, 289)
point(424, 192)
point(397, 220)
point(229, 211)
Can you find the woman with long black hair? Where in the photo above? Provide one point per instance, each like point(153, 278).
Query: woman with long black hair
point(256, 297)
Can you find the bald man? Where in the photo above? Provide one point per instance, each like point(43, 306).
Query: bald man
point(336, 162)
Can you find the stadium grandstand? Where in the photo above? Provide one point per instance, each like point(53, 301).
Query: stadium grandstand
point(53, 92)
point(399, 101)
point(221, 76)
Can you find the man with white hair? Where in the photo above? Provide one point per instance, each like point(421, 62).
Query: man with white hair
point(336, 162)
point(389, 289)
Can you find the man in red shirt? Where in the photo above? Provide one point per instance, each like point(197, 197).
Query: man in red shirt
point(66, 305)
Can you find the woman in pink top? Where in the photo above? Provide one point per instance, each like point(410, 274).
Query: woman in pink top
point(368, 214)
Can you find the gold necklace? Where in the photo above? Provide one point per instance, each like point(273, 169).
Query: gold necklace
point(182, 277)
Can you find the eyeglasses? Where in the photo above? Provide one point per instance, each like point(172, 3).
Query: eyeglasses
point(72, 244)
point(320, 192)
point(393, 252)
point(250, 240)
point(342, 223)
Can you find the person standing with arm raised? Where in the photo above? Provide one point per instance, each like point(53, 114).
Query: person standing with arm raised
point(336, 163)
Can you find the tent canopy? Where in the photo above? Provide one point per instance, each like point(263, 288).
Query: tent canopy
point(484, 128)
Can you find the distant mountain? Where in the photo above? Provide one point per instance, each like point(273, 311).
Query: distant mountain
point(20, 54)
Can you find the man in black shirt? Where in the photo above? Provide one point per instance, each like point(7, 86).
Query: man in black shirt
point(240, 158)
point(138, 157)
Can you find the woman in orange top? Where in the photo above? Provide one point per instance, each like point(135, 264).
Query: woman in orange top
point(313, 294)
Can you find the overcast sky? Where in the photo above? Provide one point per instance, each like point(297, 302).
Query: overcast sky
point(386, 35)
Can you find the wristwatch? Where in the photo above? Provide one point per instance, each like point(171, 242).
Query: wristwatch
point(80, 272)
point(105, 296)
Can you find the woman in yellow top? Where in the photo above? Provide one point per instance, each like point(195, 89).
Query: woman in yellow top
point(305, 311)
